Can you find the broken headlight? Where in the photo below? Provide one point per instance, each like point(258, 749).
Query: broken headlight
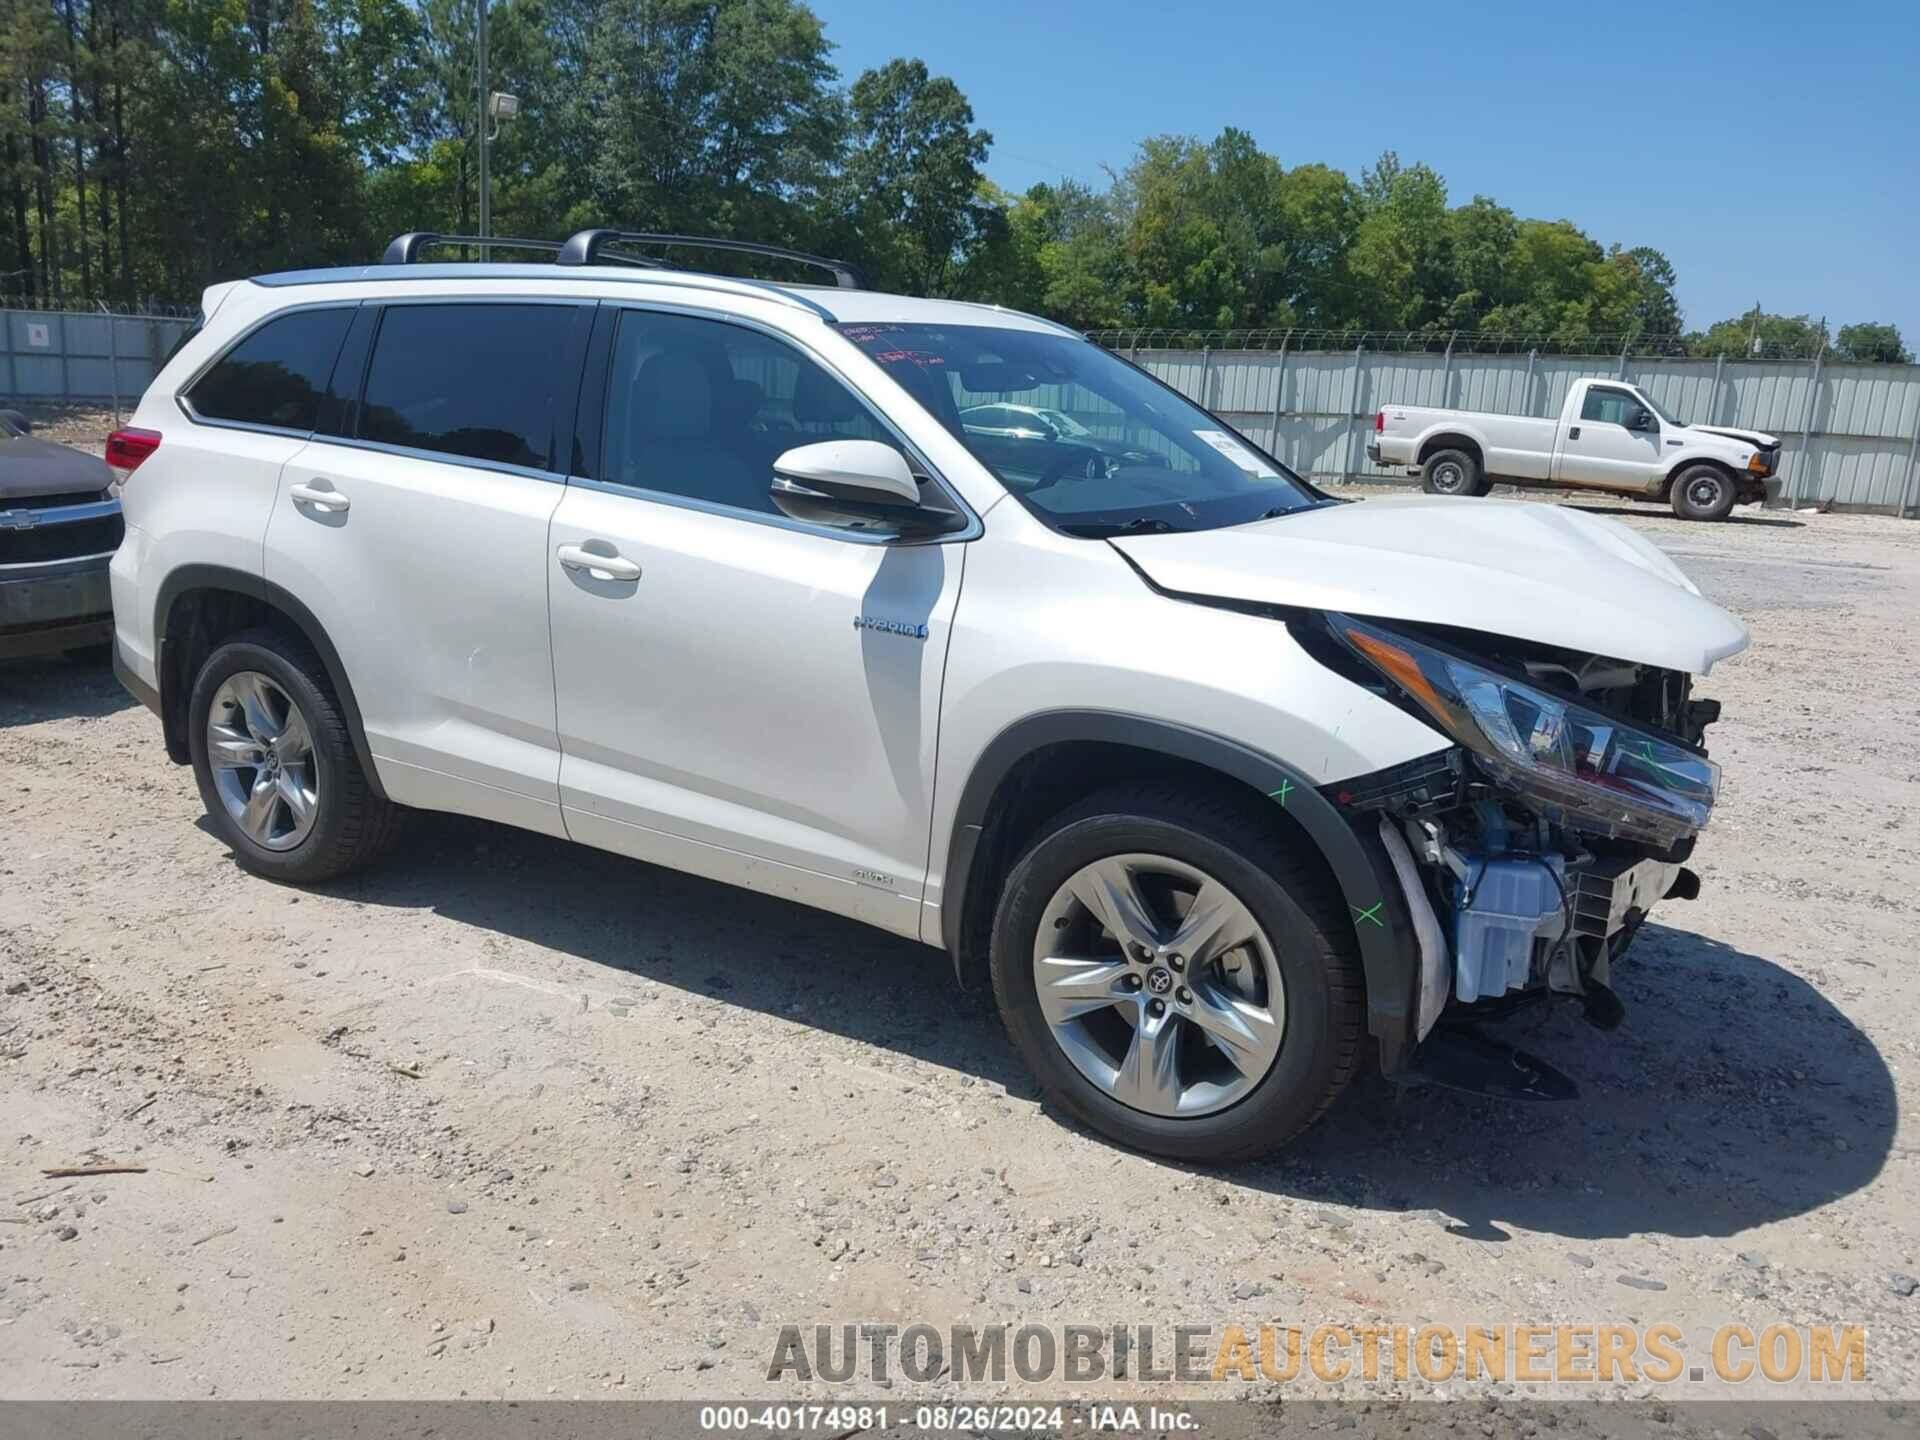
point(1572, 763)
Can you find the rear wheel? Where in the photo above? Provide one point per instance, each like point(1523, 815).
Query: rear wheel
point(1702, 493)
point(1452, 472)
point(276, 764)
point(1176, 975)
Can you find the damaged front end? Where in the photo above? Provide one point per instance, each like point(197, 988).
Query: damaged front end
point(1530, 853)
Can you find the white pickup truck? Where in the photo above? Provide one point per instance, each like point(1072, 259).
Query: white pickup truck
point(1610, 436)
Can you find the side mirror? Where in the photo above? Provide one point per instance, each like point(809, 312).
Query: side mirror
point(1642, 420)
point(856, 485)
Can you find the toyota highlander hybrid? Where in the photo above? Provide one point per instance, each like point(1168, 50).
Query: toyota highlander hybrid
point(933, 615)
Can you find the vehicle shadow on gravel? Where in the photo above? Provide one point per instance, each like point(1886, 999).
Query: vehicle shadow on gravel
point(1734, 1095)
point(56, 688)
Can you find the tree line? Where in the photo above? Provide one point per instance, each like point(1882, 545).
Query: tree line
point(154, 146)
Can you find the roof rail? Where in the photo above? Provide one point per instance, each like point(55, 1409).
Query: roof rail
point(584, 247)
point(405, 249)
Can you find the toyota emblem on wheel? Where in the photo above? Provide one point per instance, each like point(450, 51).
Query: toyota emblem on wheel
point(1159, 980)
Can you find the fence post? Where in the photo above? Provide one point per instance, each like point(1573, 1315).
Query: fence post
point(1527, 405)
point(1280, 398)
point(13, 378)
point(1206, 377)
point(1625, 345)
point(66, 380)
point(1352, 466)
point(1713, 400)
point(1805, 458)
point(113, 360)
point(1446, 372)
point(1910, 500)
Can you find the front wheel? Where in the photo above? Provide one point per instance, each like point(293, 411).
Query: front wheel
point(1177, 975)
point(276, 764)
point(1702, 493)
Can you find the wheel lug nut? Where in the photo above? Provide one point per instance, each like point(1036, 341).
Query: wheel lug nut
point(1177, 962)
point(1132, 982)
point(1140, 954)
point(1183, 995)
point(1156, 1008)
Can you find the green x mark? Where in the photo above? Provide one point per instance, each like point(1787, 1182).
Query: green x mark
point(1286, 789)
point(1372, 912)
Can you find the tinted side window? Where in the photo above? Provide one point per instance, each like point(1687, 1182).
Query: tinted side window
point(473, 380)
point(277, 375)
point(702, 408)
point(1613, 407)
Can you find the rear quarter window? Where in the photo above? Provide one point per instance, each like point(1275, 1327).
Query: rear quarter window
point(276, 376)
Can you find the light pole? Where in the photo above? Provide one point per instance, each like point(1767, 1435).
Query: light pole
point(480, 118)
point(494, 107)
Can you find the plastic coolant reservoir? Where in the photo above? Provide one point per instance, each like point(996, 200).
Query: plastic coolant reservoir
point(1509, 903)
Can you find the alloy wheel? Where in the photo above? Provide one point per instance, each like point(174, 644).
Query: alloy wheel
point(261, 754)
point(1159, 985)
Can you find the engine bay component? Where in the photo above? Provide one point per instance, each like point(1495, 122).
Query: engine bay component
point(1503, 906)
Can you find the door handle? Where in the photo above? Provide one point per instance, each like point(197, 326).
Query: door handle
point(319, 499)
point(1573, 433)
point(601, 567)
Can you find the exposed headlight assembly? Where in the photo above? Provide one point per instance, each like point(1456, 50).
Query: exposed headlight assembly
point(1573, 763)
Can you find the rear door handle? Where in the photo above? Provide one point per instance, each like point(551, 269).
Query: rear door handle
point(326, 499)
point(601, 567)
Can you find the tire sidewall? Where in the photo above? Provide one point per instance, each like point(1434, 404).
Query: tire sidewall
point(1683, 504)
point(230, 659)
point(1469, 474)
point(1292, 1092)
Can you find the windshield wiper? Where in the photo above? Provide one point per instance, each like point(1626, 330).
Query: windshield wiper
point(1102, 529)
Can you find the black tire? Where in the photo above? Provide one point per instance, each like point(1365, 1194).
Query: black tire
point(1703, 492)
point(353, 826)
point(1453, 472)
point(1232, 840)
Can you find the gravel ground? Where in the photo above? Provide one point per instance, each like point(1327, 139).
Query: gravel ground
point(513, 1118)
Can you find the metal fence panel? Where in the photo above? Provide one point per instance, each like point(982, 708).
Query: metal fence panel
point(61, 356)
point(1851, 432)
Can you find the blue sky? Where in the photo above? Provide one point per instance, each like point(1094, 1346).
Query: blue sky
point(1771, 150)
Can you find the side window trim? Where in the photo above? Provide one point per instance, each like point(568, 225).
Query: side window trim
point(183, 397)
point(562, 416)
point(596, 386)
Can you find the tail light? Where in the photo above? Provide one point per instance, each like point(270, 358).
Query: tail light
point(1379, 421)
point(127, 451)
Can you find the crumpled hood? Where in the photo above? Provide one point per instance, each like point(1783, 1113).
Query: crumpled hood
point(31, 467)
point(1759, 439)
point(1504, 567)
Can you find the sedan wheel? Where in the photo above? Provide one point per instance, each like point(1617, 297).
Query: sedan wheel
point(260, 751)
point(1159, 986)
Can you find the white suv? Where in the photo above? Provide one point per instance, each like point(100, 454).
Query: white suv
point(1224, 782)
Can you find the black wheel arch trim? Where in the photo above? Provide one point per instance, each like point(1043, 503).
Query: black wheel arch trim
point(1382, 926)
point(186, 578)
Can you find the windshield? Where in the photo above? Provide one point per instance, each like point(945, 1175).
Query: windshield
point(1088, 443)
point(1665, 418)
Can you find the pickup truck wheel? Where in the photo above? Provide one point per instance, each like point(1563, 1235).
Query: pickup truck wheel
point(1452, 472)
point(276, 764)
point(1178, 977)
point(1702, 493)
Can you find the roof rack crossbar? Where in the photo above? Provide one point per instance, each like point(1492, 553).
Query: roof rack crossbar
point(585, 247)
point(405, 249)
